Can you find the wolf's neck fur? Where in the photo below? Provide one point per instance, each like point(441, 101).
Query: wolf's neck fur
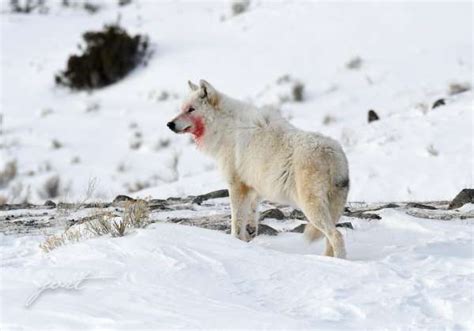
point(235, 121)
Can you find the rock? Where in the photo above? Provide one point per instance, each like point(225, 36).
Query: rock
point(419, 206)
point(50, 204)
point(299, 228)
point(174, 199)
point(272, 213)
point(211, 195)
point(297, 215)
point(437, 103)
point(157, 204)
point(266, 230)
point(463, 197)
point(251, 230)
point(347, 225)
point(372, 116)
point(362, 215)
point(120, 200)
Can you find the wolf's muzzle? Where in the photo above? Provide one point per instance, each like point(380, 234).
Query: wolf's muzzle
point(172, 126)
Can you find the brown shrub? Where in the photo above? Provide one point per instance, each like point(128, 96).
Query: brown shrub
point(109, 56)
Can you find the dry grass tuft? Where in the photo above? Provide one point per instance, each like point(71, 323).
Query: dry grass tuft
point(101, 223)
point(136, 214)
point(55, 241)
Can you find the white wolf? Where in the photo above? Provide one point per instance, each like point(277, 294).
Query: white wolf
point(263, 156)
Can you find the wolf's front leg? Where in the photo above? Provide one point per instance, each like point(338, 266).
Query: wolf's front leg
point(240, 200)
point(252, 227)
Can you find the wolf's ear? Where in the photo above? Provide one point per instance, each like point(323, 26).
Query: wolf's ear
point(207, 91)
point(192, 86)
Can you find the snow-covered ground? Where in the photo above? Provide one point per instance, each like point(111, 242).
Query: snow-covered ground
point(401, 273)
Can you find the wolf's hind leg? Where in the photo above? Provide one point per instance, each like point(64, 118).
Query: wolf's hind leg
point(316, 209)
point(311, 233)
point(329, 251)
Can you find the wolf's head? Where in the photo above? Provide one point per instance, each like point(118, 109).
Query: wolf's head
point(197, 110)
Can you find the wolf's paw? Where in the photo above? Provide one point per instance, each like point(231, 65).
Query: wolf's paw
point(252, 231)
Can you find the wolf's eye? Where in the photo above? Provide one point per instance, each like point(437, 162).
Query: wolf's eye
point(191, 109)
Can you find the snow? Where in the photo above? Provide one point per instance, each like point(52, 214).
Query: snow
point(401, 273)
point(410, 54)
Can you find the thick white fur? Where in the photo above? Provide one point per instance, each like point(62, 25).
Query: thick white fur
point(263, 156)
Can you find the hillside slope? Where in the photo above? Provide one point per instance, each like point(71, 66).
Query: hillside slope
point(409, 55)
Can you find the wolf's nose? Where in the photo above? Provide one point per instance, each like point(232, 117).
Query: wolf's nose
point(171, 125)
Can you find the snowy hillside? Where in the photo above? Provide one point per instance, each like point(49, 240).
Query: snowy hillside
point(402, 273)
point(403, 58)
point(406, 269)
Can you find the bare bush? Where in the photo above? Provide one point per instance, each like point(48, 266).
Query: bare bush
point(27, 6)
point(92, 107)
point(76, 160)
point(240, 6)
point(162, 144)
point(328, 119)
point(124, 2)
point(51, 187)
point(138, 186)
point(91, 8)
point(432, 150)
point(297, 91)
point(121, 167)
point(354, 63)
point(56, 144)
point(174, 167)
point(46, 112)
point(110, 54)
point(18, 193)
point(136, 141)
point(8, 173)
point(164, 95)
point(456, 88)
